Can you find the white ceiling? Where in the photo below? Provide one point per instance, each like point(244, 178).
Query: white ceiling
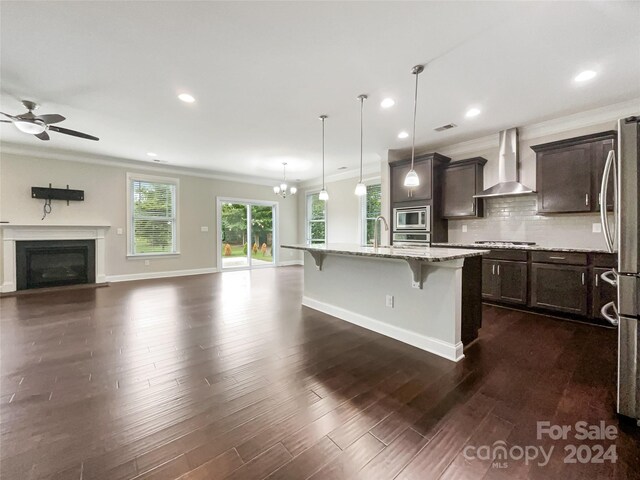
point(263, 72)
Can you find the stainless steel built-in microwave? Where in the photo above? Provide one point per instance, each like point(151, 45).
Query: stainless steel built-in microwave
point(412, 218)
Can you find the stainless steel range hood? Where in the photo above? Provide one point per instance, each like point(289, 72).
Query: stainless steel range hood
point(508, 160)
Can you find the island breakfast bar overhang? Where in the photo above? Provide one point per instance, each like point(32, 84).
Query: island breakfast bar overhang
point(437, 297)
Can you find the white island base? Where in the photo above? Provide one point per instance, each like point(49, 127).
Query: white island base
point(356, 288)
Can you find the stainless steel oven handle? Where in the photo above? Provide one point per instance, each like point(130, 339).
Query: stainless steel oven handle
point(611, 319)
point(610, 277)
point(604, 221)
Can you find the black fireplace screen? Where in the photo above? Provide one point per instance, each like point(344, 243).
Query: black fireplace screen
point(50, 263)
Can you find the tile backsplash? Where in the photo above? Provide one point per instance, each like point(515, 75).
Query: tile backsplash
point(515, 219)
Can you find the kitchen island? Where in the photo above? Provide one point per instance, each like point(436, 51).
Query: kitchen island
point(427, 297)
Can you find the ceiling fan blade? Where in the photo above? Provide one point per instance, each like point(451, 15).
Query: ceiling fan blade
point(43, 136)
point(8, 116)
point(51, 118)
point(66, 131)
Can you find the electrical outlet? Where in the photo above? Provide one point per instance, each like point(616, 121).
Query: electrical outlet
point(389, 301)
point(204, 229)
point(119, 231)
point(464, 229)
point(596, 228)
point(147, 262)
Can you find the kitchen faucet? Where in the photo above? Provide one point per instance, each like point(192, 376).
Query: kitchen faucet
point(376, 236)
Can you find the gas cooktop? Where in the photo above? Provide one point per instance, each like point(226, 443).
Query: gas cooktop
point(500, 242)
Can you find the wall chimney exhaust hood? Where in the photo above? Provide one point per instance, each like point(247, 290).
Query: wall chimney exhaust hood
point(508, 176)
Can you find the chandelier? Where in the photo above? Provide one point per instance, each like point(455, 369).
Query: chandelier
point(282, 188)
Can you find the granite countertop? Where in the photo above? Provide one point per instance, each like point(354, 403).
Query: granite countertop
point(427, 254)
point(521, 247)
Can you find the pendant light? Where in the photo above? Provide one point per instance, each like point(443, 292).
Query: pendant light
point(361, 188)
point(412, 180)
point(282, 188)
point(323, 195)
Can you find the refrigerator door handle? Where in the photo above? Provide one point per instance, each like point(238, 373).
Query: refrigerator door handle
point(610, 277)
point(609, 240)
point(613, 320)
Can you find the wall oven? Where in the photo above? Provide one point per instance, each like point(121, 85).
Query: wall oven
point(411, 238)
point(412, 218)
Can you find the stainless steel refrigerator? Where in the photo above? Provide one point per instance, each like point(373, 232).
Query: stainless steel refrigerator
point(621, 235)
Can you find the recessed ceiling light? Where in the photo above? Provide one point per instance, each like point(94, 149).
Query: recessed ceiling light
point(186, 98)
point(151, 154)
point(387, 103)
point(472, 112)
point(403, 134)
point(585, 76)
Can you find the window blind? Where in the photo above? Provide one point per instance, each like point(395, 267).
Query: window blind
point(153, 217)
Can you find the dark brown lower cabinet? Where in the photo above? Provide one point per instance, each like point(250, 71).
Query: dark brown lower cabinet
point(489, 280)
point(559, 287)
point(602, 292)
point(504, 281)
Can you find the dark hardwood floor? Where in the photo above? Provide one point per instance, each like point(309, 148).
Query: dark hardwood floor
point(227, 376)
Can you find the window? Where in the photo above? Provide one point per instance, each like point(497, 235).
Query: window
point(152, 215)
point(316, 219)
point(370, 205)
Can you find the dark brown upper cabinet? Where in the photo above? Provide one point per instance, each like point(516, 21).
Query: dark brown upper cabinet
point(461, 181)
point(569, 173)
point(424, 167)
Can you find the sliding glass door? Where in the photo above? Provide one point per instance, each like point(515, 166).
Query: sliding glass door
point(262, 217)
point(246, 233)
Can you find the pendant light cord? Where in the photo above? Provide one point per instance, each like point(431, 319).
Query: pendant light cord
point(323, 153)
point(415, 112)
point(362, 97)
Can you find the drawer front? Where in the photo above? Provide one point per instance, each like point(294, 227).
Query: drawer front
point(605, 260)
point(565, 258)
point(513, 255)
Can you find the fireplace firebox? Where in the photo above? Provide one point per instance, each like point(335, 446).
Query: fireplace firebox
point(50, 263)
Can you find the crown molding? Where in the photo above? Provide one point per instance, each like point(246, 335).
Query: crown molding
point(587, 118)
point(103, 160)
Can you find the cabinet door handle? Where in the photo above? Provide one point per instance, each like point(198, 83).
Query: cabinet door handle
point(583, 278)
point(498, 269)
point(493, 269)
point(586, 199)
point(596, 279)
point(557, 258)
point(473, 206)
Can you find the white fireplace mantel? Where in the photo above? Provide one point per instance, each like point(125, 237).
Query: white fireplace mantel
point(12, 233)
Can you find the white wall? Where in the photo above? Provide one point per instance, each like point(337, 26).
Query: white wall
point(105, 203)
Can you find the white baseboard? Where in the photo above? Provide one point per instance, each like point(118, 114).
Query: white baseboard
point(288, 263)
point(443, 349)
point(148, 275)
point(8, 287)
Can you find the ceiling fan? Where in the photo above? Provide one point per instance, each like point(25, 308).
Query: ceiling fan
point(38, 125)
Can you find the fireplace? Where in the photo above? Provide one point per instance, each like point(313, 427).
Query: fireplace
point(50, 263)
